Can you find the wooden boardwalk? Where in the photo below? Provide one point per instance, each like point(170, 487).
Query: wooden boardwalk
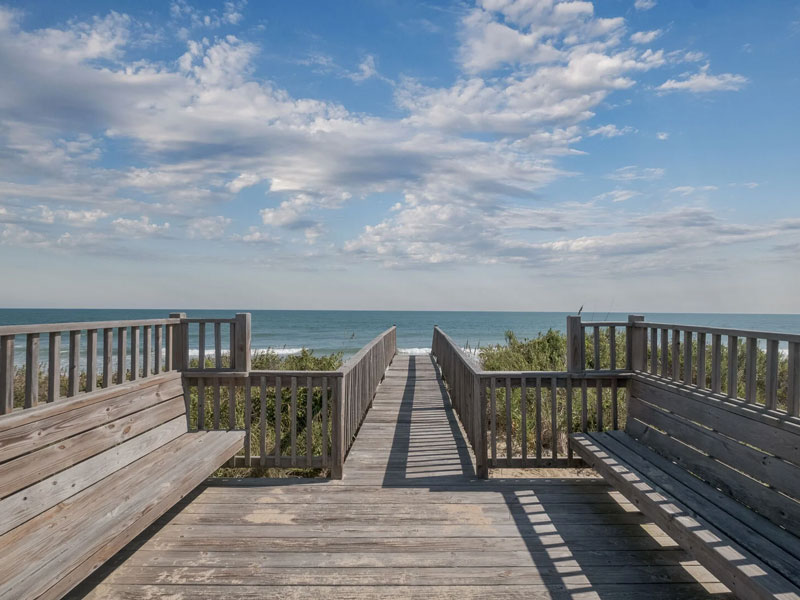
point(409, 519)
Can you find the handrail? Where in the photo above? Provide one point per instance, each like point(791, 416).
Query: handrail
point(360, 377)
point(762, 335)
point(6, 330)
point(144, 347)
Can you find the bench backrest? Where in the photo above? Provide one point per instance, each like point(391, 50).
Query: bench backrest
point(750, 453)
point(53, 451)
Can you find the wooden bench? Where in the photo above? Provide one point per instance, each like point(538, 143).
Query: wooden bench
point(80, 478)
point(720, 476)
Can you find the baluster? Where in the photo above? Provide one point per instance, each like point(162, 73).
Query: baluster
point(54, 367)
point(751, 372)
point(158, 344)
point(108, 356)
point(217, 345)
point(701, 360)
point(324, 391)
point(248, 411)
point(614, 405)
point(654, 351)
point(217, 401)
point(771, 382)
point(612, 346)
point(596, 342)
point(309, 419)
point(687, 357)
point(91, 360)
point(523, 398)
point(599, 401)
point(584, 406)
point(664, 353)
point(122, 333)
point(293, 421)
point(278, 413)
point(733, 366)
point(201, 403)
point(716, 363)
point(538, 420)
point(201, 345)
point(146, 351)
point(231, 404)
point(554, 415)
point(74, 373)
point(32, 370)
point(262, 423)
point(169, 348)
point(569, 416)
point(676, 354)
point(134, 353)
point(509, 432)
point(493, 413)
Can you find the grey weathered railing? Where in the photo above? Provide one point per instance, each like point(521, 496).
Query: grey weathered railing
point(523, 419)
point(130, 350)
point(300, 419)
point(734, 363)
point(230, 353)
point(361, 375)
point(463, 376)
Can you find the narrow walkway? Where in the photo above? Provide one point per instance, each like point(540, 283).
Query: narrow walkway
point(409, 519)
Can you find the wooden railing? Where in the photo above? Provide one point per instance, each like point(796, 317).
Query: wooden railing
point(757, 367)
point(523, 419)
point(128, 350)
point(361, 375)
point(288, 416)
point(291, 419)
point(462, 373)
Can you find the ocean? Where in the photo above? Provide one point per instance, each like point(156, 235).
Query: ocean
point(327, 331)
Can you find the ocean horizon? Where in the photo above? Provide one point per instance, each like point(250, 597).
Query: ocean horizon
point(346, 331)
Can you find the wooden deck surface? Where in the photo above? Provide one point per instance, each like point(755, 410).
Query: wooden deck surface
point(409, 519)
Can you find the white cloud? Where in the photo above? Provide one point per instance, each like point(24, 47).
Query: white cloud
point(618, 195)
point(662, 135)
point(703, 81)
point(687, 190)
point(644, 4)
point(207, 228)
point(610, 131)
point(645, 37)
point(366, 70)
point(138, 228)
point(634, 173)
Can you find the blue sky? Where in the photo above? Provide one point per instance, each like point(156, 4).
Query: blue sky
point(504, 155)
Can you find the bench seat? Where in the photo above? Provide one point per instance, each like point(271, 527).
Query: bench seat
point(58, 525)
point(731, 541)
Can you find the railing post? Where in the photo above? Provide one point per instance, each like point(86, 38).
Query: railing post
point(636, 342)
point(574, 344)
point(338, 449)
point(177, 342)
point(481, 452)
point(241, 332)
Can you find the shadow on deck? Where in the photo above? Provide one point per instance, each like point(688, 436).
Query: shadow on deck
point(410, 518)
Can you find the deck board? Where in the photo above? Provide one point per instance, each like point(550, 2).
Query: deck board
point(408, 519)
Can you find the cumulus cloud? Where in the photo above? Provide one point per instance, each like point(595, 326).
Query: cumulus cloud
point(618, 195)
point(687, 190)
point(207, 228)
point(645, 37)
point(662, 135)
point(609, 131)
point(138, 228)
point(644, 4)
point(703, 81)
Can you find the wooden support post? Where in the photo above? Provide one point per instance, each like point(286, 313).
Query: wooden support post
point(636, 341)
point(32, 370)
point(338, 428)
point(241, 360)
point(481, 451)
point(574, 344)
point(177, 338)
